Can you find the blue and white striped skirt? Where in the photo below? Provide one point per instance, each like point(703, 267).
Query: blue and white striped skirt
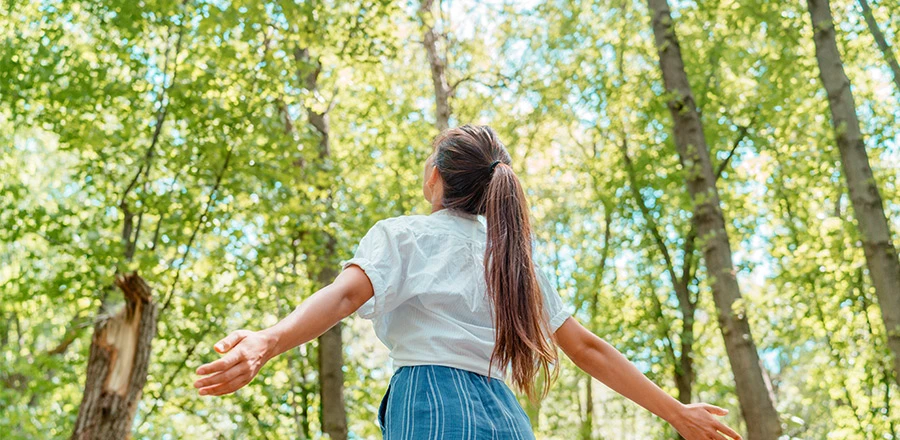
point(436, 402)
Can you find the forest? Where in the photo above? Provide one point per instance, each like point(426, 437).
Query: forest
point(714, 187)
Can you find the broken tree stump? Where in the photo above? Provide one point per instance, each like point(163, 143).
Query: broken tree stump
point(117, 366)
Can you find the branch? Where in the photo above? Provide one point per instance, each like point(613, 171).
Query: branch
point(645, 211)
point(160, 114)
point(742, 133)
point(467, 77)
point(71, 334)
point(198, 226)
point(663, 324)
point(604, 256)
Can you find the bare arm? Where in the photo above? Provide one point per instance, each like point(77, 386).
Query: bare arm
point(247, 351)
point(602, 361)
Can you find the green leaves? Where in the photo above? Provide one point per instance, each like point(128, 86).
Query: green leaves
point(83, 86)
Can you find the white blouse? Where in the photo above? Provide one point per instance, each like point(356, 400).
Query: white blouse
point(430, 305)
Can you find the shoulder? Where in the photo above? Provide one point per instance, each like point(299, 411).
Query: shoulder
point(401, 223)
point(400, 227)
point(430, 227)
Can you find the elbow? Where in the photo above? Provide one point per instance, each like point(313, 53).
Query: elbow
point(590, 352)
point(349, 300)
point(583, 347)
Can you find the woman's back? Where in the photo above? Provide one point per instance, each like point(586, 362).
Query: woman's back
point(431, 305)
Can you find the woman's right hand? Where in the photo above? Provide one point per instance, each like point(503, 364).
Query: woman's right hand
point(696, 422)
point(245, 353)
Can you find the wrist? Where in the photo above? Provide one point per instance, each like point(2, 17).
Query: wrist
point(272, 343)
point(676, 413)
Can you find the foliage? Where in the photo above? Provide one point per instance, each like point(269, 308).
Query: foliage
point(179, 129)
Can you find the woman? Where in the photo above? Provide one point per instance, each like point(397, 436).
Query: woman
point(461, 307)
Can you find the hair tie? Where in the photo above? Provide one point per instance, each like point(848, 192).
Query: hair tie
point(494, 165)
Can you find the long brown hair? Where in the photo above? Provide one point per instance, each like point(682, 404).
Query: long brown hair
point(477, 179)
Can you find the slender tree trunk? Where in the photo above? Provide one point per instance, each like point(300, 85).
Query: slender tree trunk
point(587, 424)
point(331, 374)
point(330, 359)
point(684, 371)
point(881, 256)
point(881, 41)
point(438, 66)
point(756, 403)
point(117, 366)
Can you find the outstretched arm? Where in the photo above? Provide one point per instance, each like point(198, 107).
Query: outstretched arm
point(602, 361)
point(247, 351)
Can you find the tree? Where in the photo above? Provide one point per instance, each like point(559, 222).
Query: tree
point(882, 43)
point(756, 403)
point(331, 361)
point(881, 256)
point(231, 213)
point(117, 367)
point(438, 64)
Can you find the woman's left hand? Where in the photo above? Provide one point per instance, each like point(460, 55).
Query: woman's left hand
point(247, 352)
point(696, 422)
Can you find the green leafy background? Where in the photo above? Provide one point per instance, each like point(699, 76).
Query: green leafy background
point(202, 106)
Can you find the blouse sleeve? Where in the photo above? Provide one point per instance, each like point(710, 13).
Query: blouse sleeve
point(380, 255)
point(557, 312)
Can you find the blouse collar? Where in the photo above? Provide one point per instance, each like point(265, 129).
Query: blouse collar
point(455, 212)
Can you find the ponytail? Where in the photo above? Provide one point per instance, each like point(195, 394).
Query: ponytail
point(477, 178)
point(521, 330)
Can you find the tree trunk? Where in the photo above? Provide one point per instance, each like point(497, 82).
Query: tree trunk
point(756, 403)
point(117, 366)
point(684, 371)
point(881, 256)
point(881, 41)
point(587, 423)
point(331, 372)
point(331, 360)
point(438, 67)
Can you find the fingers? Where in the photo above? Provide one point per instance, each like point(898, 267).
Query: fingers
point(221, 377)
point(728, 431)
point(230, 341)
point(712, 409)
point(227, 387)
point(222, 364)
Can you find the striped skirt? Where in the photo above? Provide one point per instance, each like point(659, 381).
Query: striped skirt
point(436, 402)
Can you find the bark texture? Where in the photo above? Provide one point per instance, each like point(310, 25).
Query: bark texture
point(754, 397)
point(331, 372)
point(117, 366)
point(438, 67)
point(881, 256)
